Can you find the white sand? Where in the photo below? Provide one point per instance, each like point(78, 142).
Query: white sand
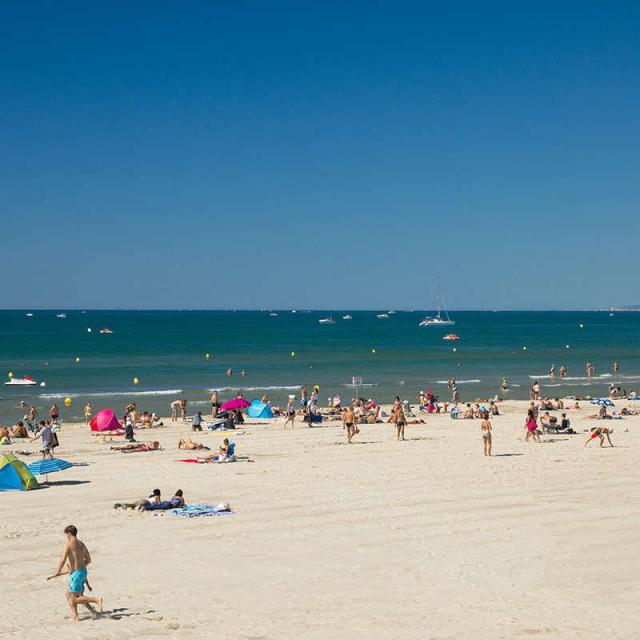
point(421, 539)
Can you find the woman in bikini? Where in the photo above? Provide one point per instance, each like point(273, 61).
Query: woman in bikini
point(291, 413)
point(137, 447)
point(188, 444)
point(485, 430)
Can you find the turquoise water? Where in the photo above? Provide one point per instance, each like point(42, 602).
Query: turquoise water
point(166, 351)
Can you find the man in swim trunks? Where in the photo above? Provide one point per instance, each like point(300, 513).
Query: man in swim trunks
point(601, 433)
point(77, 555)
point(397, 417)
point(349, 423)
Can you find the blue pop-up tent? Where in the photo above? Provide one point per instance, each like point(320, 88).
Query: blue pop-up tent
point(259, 410)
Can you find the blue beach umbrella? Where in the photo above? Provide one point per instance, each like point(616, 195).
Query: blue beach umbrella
point(45, 466)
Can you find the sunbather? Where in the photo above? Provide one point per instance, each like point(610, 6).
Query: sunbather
point(137, 447)
point(190, 445)
point(154, 498)
point(175, 503)
point(226, 453)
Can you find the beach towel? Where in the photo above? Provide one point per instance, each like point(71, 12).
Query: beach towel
point(197, 510)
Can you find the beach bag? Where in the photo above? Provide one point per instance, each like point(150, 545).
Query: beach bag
point(54, 440)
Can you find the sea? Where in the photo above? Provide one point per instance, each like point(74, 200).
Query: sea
point(154, 357)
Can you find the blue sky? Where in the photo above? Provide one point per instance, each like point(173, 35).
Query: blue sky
point(273, 154)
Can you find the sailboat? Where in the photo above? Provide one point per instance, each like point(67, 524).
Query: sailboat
point(438, 320)
point(327, 320)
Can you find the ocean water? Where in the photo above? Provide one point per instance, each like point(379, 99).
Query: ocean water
point(166, 351)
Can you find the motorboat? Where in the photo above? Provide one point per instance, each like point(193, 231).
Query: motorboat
point(21, 382)
point(29, 315)
point(451, 336)
point(327, 320)
point(441, 319)
point(347, 317)
point(61, 315)
point(273, 315)
point(383, 316)
point(106, 330)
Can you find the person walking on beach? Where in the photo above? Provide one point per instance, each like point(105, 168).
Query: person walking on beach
point(485, 430)
point(175, 405)
point(183, 410)
point(76, 554)
point(349, 423)
point(398, 418)
point(531, 425)
point(291, 413)
point(87, 412)
point(54, 412)
point(46, 433)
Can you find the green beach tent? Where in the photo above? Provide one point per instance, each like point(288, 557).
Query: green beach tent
point(14, 475)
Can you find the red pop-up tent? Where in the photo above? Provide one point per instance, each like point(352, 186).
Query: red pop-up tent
point(105, 420)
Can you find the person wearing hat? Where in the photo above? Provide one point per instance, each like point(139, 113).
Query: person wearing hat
point(141, 504)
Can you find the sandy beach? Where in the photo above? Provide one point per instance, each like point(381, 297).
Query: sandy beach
point(382, 539)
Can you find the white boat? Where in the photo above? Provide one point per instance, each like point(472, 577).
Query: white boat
point(438, 320)
point(61, 315)
point(327, 320)
point(383, 316)
point(347, 317)
point(273, 315)
point(391, 312)
point(451, 336)
point(106, 330)
point(29, 315)
point(21, 382)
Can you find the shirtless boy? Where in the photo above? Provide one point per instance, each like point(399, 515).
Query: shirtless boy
point(77, 555)
point(349, 423)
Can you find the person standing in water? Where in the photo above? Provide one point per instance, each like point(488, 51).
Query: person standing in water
point(552, 371)
point(76, 554)
point(485, 430)
point(215, 405)
point(563, 372)
point(590, 370)
point(616, 367)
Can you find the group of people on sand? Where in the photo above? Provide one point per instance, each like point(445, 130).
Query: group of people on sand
point(154, 502)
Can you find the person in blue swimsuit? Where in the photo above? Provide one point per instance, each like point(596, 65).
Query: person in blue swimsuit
point(76, 554)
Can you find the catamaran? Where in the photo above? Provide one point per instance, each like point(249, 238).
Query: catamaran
point(438, 320)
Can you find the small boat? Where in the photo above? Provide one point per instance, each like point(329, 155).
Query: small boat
point(391, 312)
point(347, 317)
point(383, 316)
point(451, 336)
point(327, 320)
point(61, 315)
point(438, 320)
point(106, 330)
point(21, 382)
point(29, 315)
point(273, 315)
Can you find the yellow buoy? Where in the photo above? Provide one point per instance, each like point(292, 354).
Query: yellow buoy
point(77, 359)
point(67, 401)
point(566, 346)
point(136, 381)
point(454, 349)
point(293, 354)
point(373, 350)
point(10, 374)
point(581, 326)
point(207, 355)
point(524, 348)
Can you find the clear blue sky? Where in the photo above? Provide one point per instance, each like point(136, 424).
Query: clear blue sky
point(328, 154)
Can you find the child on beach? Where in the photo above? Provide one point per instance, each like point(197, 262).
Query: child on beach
point(349, 423)
point(602, 433)
point(485, 430)
point(531, 426)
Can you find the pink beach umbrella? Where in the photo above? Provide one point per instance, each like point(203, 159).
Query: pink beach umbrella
point(236, 403)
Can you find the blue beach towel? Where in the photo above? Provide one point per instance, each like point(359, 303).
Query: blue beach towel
point(197, 510)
